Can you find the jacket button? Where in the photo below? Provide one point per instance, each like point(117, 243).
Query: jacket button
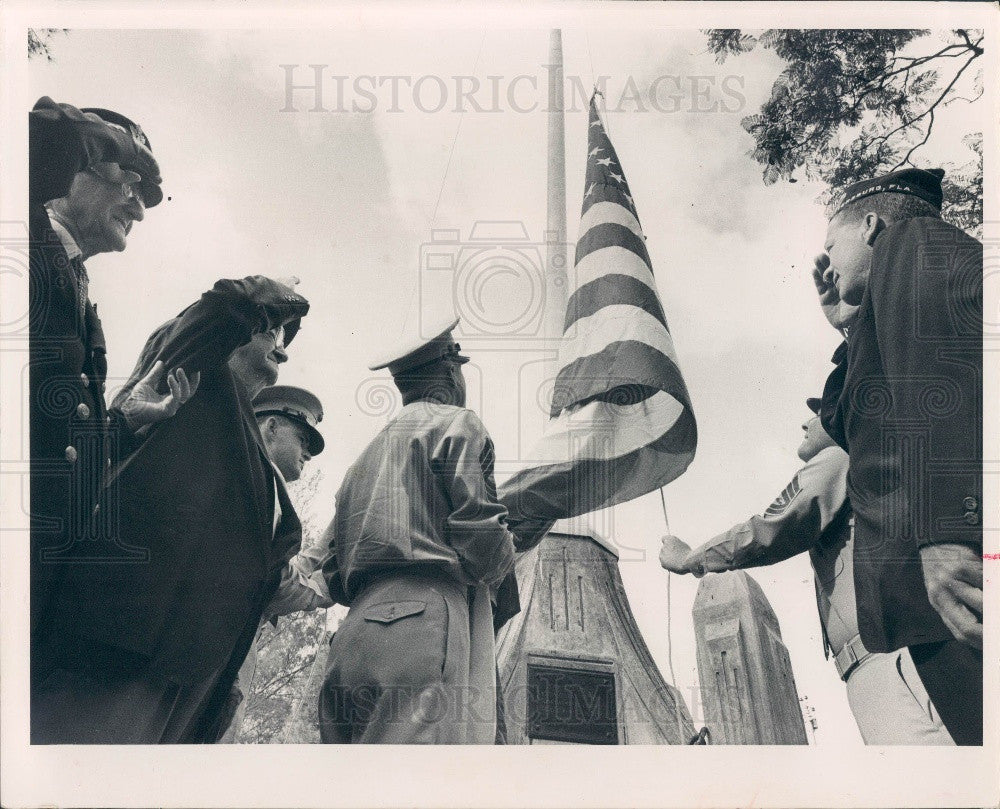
point(970, 503)
point(71, 454)
point(85, 380)
point(971, 518)
point(82, 411)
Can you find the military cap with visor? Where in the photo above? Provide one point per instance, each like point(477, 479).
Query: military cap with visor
point(295, 404)
point(421, 352)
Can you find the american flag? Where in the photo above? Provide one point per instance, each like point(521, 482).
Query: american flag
point(622, 424)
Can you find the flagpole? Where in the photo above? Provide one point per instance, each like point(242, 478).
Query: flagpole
point(555, 231)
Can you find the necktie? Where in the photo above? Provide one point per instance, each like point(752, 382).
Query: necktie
point(82, 285)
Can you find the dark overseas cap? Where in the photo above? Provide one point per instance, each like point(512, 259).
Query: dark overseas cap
point(420, 352)
point(151, 193)
point(925, 184)
point(296, 404)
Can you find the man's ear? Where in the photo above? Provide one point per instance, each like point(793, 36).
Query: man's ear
point(873, 225)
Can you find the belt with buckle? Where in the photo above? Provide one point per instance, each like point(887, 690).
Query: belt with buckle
point(850, 657)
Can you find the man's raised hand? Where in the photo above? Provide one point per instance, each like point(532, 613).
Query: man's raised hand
point(145, 405)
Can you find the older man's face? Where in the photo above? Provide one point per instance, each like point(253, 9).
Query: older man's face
point(850, 257)
point(256, 364)
point(98, 208)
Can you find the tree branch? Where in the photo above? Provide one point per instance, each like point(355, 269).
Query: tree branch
point(912, 121)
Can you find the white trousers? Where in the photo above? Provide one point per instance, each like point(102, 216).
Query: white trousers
point(890, 703)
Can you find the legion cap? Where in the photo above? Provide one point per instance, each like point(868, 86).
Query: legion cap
point(925, 184)
point(296, 404)
point(419, 352)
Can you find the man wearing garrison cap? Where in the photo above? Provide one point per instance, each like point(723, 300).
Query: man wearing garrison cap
point(910, 417)
point(416, 544)
point(91, 178)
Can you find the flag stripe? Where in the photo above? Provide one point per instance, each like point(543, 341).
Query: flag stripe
point(602, 431)
point(611, 233)
point(623, 262)
point(612, 290)
point(619, 363)
point(609, 212)
point(586, 484)
point(614, 324)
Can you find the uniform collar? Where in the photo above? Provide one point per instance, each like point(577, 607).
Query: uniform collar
point(65, 238)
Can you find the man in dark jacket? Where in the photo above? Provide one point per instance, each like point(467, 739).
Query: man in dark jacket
point(910, 417)
point(147, 652)
point(91, 176)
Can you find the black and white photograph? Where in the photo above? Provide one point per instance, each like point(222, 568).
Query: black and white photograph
point(494, 375)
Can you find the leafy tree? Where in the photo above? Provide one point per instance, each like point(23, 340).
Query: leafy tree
point(281, 702)
point(40, 41)
point(851, 104)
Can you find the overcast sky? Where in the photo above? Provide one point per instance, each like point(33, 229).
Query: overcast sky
point(348, 202)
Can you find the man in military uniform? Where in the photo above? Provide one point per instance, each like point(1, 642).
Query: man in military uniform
point(146, 653)
point(416, 544)
point(813, 514)
point(287, 417)
point(91, 177)
point(910, 417)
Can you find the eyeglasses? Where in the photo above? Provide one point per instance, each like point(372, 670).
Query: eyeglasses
point(278, 335)
point(130, 191)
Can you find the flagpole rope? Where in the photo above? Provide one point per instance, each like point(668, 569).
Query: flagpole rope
point(444, 179)
point(454, 141)
point(670, 643)
point(590, 54)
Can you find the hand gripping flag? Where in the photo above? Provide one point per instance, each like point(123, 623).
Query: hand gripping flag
point(622, 424)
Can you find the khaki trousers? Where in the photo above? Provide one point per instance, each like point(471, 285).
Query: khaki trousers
point(891, 705)
point(412, 663)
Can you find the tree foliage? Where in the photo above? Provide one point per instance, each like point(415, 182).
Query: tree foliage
point(851, 104)
point(40, 42)
point(281, 703)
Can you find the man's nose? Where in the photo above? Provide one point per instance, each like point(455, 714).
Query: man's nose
point(136, 209)
point(280, 355)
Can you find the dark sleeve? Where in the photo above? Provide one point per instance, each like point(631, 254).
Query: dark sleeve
point(831, 412)
point(203, 336)
point(926, 289)
point(61, 142)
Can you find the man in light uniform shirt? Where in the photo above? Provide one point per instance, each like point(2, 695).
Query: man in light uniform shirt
point(417, 542)
point(887, 698)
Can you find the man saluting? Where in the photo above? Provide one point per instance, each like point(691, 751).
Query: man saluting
point(910, 417)
point(417, 541)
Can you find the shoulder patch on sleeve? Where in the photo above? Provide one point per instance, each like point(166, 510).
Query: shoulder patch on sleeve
point(784, 500)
